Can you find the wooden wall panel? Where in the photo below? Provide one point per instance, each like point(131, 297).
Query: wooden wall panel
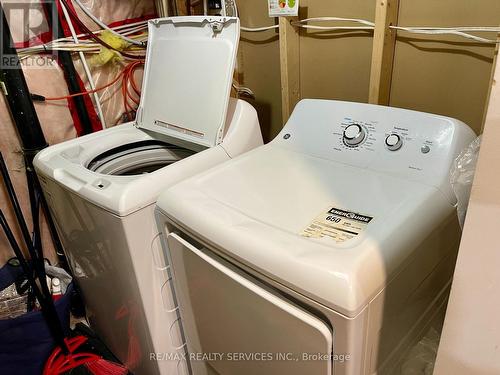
point(336, 65)
point(449, 78)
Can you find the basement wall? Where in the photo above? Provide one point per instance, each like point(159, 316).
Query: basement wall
point(445, 75)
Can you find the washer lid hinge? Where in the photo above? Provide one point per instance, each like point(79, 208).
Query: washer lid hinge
point(217, 25)
point(138, 117)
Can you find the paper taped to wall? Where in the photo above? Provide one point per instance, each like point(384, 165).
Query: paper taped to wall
point(279, 8)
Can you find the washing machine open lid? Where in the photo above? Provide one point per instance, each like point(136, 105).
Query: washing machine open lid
point(187, 79)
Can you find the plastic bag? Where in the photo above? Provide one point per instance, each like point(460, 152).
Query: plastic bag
point(61, 274)
point(421, 358)
point(462, 176)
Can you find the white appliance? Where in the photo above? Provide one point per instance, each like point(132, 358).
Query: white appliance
point(102, 188)
point(326, 251)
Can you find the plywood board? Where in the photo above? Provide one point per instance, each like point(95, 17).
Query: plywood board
point(336, 65)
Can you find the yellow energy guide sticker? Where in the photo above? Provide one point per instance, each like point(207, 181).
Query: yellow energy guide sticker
point(338, 224)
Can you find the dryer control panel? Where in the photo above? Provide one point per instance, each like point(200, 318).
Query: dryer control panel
point(409, 144)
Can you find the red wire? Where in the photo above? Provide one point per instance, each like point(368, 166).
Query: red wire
point(133, 82)
point(130, 95)
point(87, 92)
point(126, 74)
point(128, 78)
point(59, 363)
point(126, 105)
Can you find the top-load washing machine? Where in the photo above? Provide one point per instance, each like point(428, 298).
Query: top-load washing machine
point(327, 251)
point(102, 188)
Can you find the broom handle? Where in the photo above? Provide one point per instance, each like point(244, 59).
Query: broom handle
point(15, 202)
point(37, 259)
point(48, 309)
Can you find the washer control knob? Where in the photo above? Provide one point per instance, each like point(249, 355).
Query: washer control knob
point(354, 135)
point(393, 142)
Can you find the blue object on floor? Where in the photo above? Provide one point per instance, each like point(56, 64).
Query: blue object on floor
point(26, 341)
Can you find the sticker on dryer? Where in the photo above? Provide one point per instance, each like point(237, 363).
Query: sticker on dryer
point(338, 224)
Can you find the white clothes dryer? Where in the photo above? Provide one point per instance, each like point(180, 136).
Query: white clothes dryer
point(102, 188)
point(327, 251)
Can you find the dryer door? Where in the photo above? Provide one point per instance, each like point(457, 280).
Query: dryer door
point(234, 324)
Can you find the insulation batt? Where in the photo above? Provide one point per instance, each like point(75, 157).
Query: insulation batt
point(54, 116)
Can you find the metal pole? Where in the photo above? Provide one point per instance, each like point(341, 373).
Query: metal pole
point(27, 124)
point(17, 94)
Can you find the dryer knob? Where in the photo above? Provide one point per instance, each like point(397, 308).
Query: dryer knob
point(393, 142)
point(354, 135)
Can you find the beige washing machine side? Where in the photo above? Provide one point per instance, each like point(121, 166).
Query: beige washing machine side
point(115, 255)
point(96, 246)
